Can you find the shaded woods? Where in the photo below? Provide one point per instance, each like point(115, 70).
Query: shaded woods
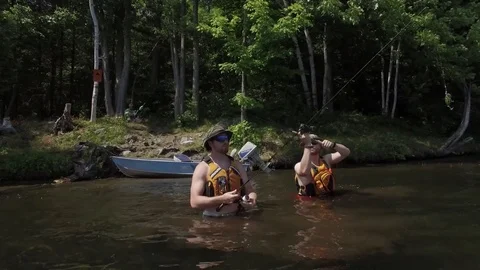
point(179, 56)
point(268, 62)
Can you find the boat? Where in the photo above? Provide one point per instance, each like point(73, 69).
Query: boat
point(180, 166)
point(154, 167)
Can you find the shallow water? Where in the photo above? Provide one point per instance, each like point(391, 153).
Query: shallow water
point(416, 216)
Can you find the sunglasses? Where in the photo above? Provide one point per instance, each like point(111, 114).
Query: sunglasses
point(221, 138)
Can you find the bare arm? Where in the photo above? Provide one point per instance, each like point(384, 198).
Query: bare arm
point(197, 199)
point(341, 153)
point(303, 167)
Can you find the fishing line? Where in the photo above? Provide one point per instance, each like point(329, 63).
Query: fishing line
point(138, 69)
point(358, 72)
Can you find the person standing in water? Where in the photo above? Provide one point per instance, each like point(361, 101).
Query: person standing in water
point(218, 179)
point(313, 174)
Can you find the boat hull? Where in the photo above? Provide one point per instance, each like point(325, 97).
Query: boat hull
point(157, 167)
point(154, 168)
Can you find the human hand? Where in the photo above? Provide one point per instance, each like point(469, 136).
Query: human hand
point(305, 138)
point(305, 129)
point(328, 144)
point(248, 202)
point(230, 197)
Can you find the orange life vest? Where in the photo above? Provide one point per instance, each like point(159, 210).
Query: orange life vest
point(221, 181)
point(323, 181)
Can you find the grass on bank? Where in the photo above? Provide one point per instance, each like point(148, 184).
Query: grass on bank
point(34, 153)
point(377, 139)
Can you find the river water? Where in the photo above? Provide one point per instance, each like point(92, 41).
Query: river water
point(409, 216)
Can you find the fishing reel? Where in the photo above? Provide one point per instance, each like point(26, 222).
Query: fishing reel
point(305, 129)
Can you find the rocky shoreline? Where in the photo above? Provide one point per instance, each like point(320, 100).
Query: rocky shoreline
point(34, 154)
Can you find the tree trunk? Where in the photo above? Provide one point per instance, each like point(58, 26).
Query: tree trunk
point(395, 83)
point(306, 90)
point(176, 80)
point(53, 73)
point(382, 78)
point(72, 67)
point(313, 76)
point(60, 69)
point(182, 56)
point(243, 110)
point(389, 77)
point(451, 144)
point(119, 20)
point(327, 74)
point(298, 52)
point(43, 109)
point(107, 83)
point(196, 64)
point(127, 48)
point(64, 123)
point(96, 42)
point(155, 72)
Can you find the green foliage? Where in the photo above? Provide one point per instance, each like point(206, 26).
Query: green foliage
point(247, 102)
point(244, 132)
point(35, 154)
point(35, 164)
point(445, 33)
point(16, 26)
point(375, 139)
point(40, 156)
point(261, 33)
point(187, 119)
point(296, 17)
point(330, 8)
point(106, 130)
point(46, 56)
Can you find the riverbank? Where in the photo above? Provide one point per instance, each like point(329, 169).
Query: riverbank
point(35, 154)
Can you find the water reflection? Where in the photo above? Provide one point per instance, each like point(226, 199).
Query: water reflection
point(315, 241)
point(316, 210)
point(408, 216)
point(225, 234)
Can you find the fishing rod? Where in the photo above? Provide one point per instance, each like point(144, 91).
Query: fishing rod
point(140, 66)
point(223, 204)
point(359, 71)
point(308, 128)
point(304, 128)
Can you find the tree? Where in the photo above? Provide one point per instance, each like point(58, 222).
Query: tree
point(96, 61)
point(249, 35)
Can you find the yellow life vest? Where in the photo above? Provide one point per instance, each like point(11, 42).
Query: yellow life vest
point(323, 181)
point(221, 181)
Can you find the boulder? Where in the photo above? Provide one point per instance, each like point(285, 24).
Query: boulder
point(92, 161)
